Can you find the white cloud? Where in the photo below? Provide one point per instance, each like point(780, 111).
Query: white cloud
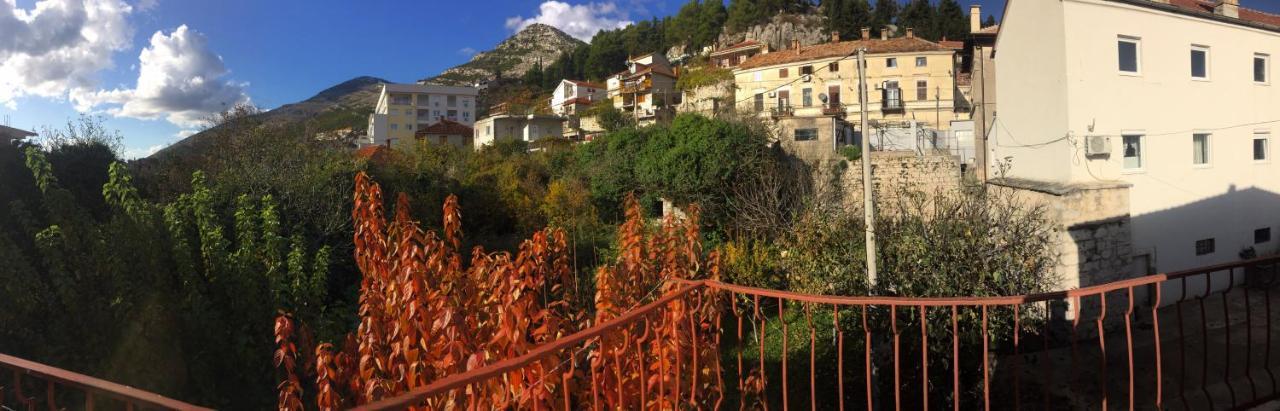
point(578, 20)
point(179, 79)
point(467, 51)
point(58, 45)
point(147, 5)
point(132, 153)
point(184, 133)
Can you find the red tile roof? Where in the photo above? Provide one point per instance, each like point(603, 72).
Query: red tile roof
point(585, 84)
point(951, 44)
point(378, 154)
point(445, 127)
point(842, 49)
point(742, 45)
point(1246, 14)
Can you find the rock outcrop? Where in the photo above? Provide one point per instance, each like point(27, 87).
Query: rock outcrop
point(512, 57)
point(810, 29)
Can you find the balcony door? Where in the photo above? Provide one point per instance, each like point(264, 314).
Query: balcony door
point(833, 96)
point(784, 99)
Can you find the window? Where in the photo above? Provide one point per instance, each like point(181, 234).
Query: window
point(488, 130)
point(759, 100)
point(1199, 62)
point(395, 126)
point(436, 113)
point(1129, 53)
point(452, 114)
point(568, 92)
point(782, 73)
point(784, 98)
point(466, 116)
point(452, 101)
point(393, 112)
point(756, 76)
point(1204, 246)
point(833, 96)
point(833, 67)
point(806, 97)
point(1260, 146)
point(1262, 235)
point(891, 62)
point(804, 70)
point(1200, 148)
point(922, 90)
point(922, 61)
point(1132, 152)
point(408, 126)
point(806, 134)
point(1261, 63)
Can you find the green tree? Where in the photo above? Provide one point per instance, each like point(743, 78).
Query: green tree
point(990, 21)
point(743, 14)
point(885, 14)
point(710, 23)
point(848, 17)
point(918, 15)
point(951, 21)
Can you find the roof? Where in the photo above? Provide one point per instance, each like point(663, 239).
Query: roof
point(585, 84)
point(741, 45)
point(10, 133)
point(642, 69)
point(992, 29)
point(842, 49)
point(375, 153)
point(447, 127)
point(430, 88)
point(952, 44)
point(1246, 14)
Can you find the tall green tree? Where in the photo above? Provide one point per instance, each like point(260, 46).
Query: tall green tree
point(743, 14)
point(990, 21)
point(710, 23)
point(885, 13)
point(951, 22)
point(918, 15)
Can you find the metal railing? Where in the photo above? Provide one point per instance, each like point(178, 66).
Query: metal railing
point(60, 387)
point(1129, 343)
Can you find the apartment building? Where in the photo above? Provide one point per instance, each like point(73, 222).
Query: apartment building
point(647, 88)
point(1149, 122)
point(572, 97)
point(504, 127)
point(812, 91)
point(403, 109)
point(733, 55)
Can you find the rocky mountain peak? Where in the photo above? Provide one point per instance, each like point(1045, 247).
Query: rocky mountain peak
point(512, 57)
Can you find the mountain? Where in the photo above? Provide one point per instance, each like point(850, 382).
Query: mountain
point(512, 57)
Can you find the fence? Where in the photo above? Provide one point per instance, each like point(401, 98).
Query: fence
point(60, 387)
point(1096, 347)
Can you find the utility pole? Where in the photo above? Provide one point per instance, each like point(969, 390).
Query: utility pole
point(869, 204)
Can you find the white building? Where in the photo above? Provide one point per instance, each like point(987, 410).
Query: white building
point(1151, 119)
point(403, 109)
point(529, 128)
point(572, 97)
point(647, 88)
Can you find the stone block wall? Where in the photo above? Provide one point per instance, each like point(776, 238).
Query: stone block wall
point(894, 172)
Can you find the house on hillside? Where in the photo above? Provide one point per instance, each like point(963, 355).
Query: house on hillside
point(445, 132)
point(9, 135)
point(505, 127)
point(811, 92)
point(402, 109)
point(732, 56)
point(573, 97)
point(1148, 124)
point(647, 88)
point(977, 63)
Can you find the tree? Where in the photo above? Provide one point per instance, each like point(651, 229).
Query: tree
point(952, 23)
point(710, 23)
point(743, 14)
point(848, 16)
point(918, 15)
point(990, 21)
point(885, 14)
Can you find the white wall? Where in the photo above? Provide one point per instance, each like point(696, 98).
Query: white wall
point(1031, 71)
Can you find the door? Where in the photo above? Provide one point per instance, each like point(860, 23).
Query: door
point(833, 94)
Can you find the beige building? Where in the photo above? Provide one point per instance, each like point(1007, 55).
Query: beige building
point(978, 64)
point(446, 132)
point(732, 56)
point(647, 88)
point(402, 109)
point(505, 127)
point(908, 79)
point(1160, 114)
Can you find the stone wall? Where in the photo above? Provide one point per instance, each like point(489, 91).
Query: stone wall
point(809, 29)
point(892, 173)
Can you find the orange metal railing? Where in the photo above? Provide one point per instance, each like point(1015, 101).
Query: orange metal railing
point(57, 384)
point(1112, 361)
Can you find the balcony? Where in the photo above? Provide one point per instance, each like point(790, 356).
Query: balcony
point(782, 111)
point(631, 87)
point(833, 110)
point(891, 100)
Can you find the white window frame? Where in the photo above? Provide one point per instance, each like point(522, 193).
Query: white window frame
point(1265, 136)
point(1137, 54)
point(1208, 59)
point(1142, 148)
point(1208, 149)
point(1266, 68)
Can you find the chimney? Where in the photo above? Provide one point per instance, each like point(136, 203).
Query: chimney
point(975, 18)
point(835, 36)
point(884, 33)
point(795, 44)
point(911, 33)
point(1229, 8)
point(866, 33)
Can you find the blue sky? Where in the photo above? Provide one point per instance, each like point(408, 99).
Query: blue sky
point(152, 68)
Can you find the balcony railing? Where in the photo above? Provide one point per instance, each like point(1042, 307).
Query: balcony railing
point(782, 111)
point(637, 86)
point(1196, 339)
point(39, 386)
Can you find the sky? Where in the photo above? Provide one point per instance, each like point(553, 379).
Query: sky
point(152, 69)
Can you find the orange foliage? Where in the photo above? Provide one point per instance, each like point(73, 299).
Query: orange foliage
point(424, 316)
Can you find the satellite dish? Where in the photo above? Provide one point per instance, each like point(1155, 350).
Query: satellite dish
point(822, 97)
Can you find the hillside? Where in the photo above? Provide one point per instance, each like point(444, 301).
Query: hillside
point(512, 57)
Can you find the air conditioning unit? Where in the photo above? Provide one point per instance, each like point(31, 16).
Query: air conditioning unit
point(772, 94)
point(806, 78)
point(1097, 145)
